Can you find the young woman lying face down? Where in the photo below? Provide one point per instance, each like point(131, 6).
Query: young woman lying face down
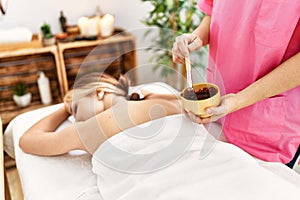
point(101, 108)
point(93, 93)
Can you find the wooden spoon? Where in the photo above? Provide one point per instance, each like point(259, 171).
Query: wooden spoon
point(189, 92)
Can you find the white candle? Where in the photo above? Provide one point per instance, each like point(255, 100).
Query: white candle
point(83, 24)
point(106, 25)
point(93, 26)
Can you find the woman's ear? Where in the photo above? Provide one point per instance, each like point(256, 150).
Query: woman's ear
point(100, 95)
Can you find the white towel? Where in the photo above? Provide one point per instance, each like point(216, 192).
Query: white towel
point(90, 194)
point(207, 169)
point(14, 35)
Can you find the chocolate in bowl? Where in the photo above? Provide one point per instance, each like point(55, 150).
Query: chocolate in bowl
point(201, 94)
point(207, 94)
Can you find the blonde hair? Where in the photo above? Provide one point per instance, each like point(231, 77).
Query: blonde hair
point(94, 83)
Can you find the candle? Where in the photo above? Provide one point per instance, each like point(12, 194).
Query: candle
point(106, 24)
point(93, 26)
point(83, 24)
point(88, 26)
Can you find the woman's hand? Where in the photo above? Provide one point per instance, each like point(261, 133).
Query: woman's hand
point(68, 106)
point(229, 104)
point(68, 99)
point(183, 45)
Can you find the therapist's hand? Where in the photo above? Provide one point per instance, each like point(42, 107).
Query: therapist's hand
point(228, 105)
point(183, 45)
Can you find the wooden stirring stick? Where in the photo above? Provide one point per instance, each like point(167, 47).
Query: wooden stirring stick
point(189, 92)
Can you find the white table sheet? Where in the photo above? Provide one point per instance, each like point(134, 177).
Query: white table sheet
point(70, 176)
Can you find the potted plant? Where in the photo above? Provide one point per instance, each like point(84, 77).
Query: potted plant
point(21, 97)
point(48, 37)
point(171, 18)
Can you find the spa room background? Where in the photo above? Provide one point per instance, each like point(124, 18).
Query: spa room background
point(128, 15)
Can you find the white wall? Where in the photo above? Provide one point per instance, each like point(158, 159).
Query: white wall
point(32, 13)
point(128, 14)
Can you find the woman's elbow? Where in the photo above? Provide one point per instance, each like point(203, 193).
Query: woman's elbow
point(23, 144)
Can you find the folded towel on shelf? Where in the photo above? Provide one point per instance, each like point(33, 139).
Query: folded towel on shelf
point(15, 35)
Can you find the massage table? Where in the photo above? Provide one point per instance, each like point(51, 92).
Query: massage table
point(223, 172)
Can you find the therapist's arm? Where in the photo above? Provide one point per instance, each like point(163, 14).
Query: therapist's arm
point(281, 79)
point(202, 31)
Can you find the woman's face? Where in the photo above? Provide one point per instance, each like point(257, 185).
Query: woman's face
point(88, 107)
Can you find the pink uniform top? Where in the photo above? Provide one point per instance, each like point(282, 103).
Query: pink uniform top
point(248, 39)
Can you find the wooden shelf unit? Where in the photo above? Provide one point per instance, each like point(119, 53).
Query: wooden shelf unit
point(62, 63)
point(114, 55)
point(24, 65)
point(2, 170)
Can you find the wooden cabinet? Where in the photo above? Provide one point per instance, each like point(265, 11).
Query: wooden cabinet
point(62, 63)
point(2, 171)
point(24, 65)
point(114, 55)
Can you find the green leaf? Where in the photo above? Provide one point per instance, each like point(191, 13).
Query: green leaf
point(172, 21)
point(20, 89)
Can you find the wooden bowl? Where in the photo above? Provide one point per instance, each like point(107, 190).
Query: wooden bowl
point(198, 107)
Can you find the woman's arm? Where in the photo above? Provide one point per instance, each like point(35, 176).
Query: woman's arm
point(41, 139)
point(281, 79)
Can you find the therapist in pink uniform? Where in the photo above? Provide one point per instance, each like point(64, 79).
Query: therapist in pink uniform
point(254, 57)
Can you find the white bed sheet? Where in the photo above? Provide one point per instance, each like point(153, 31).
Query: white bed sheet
point(58, 177)
point(47, 178)
point(223, 172)
point(70, 176)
